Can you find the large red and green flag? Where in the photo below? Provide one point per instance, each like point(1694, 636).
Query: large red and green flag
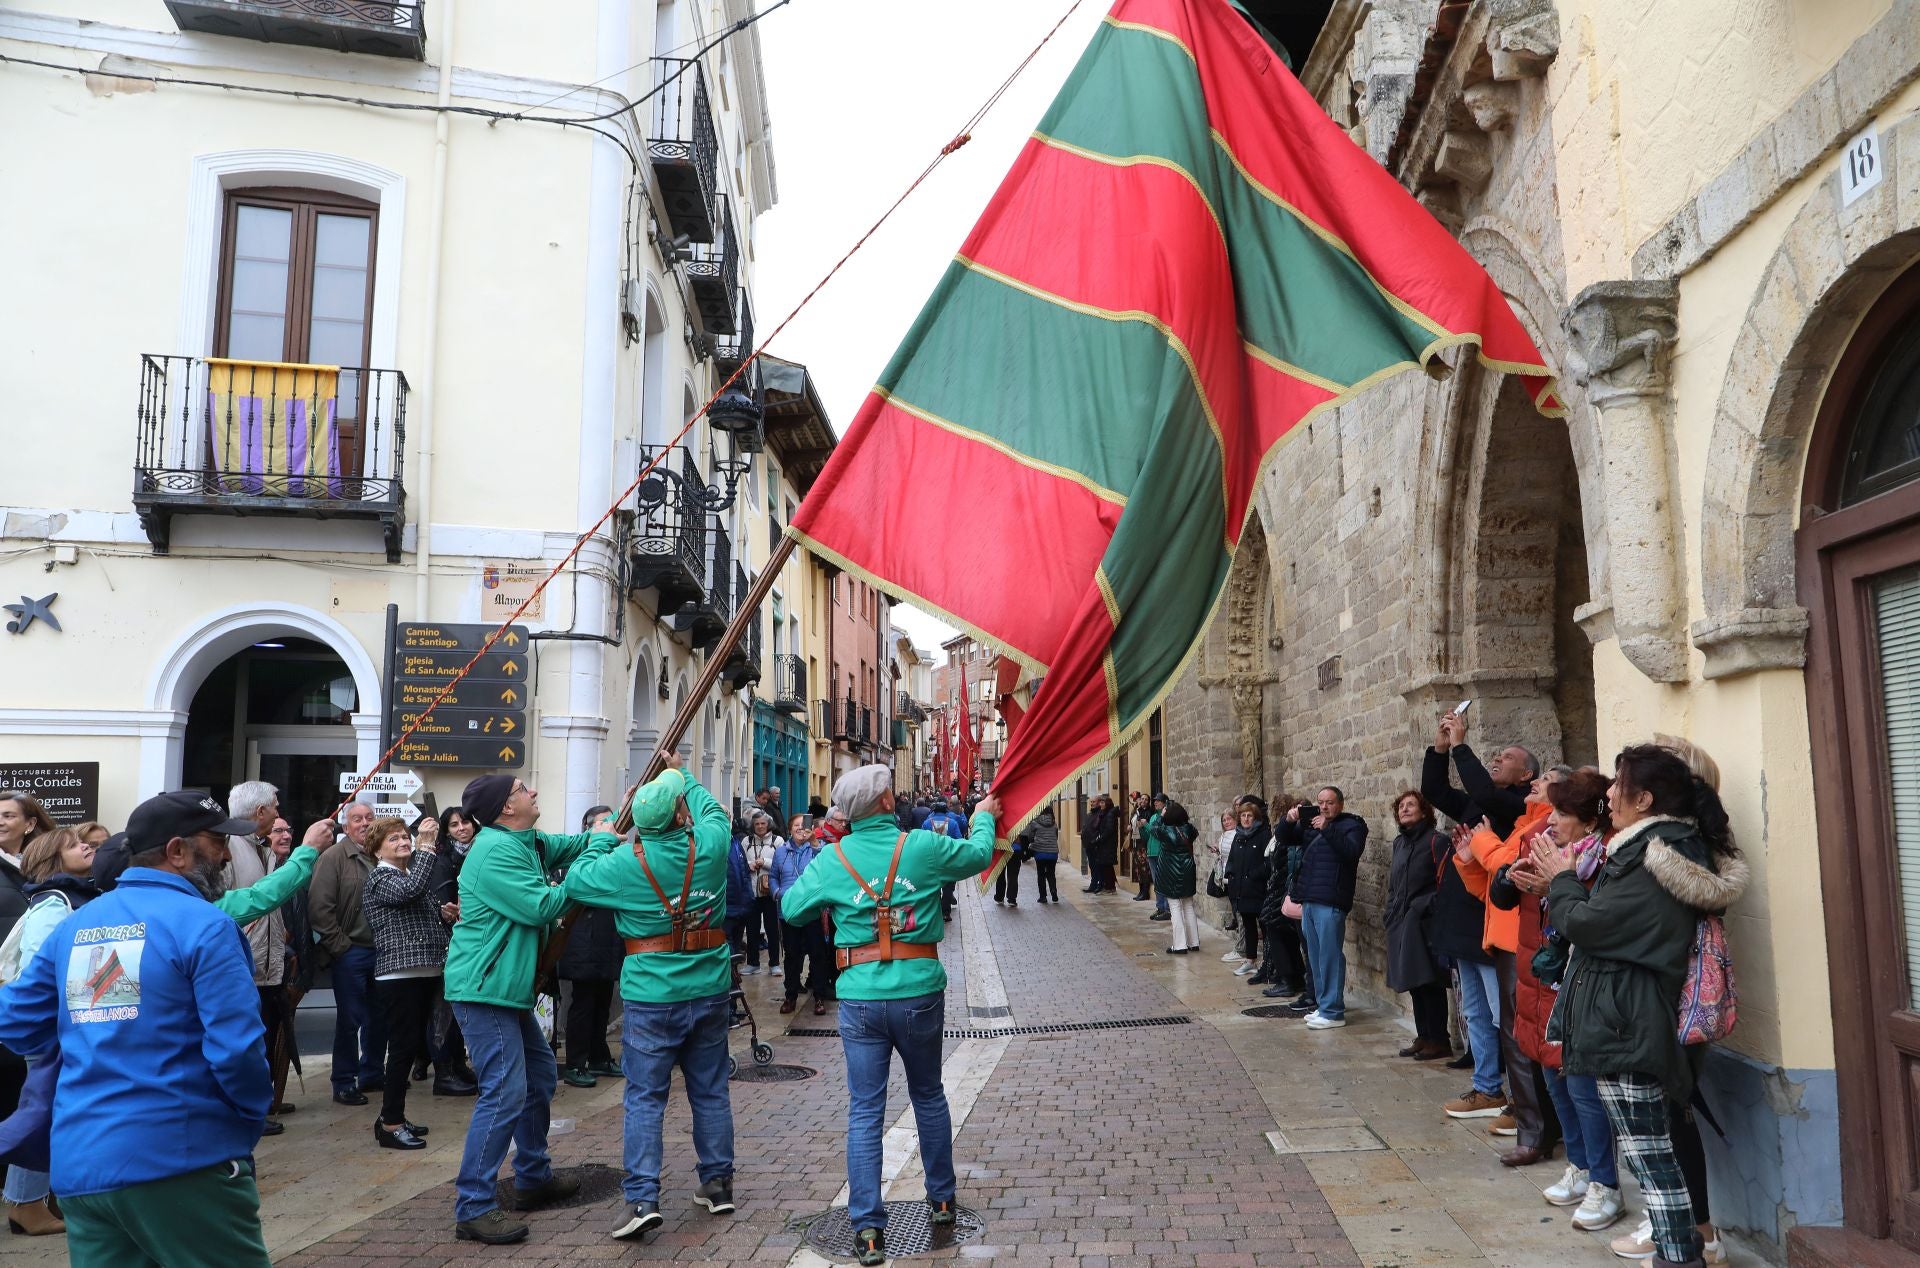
point(1187, 261)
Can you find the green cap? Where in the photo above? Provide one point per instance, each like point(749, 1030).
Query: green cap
point(653, 805)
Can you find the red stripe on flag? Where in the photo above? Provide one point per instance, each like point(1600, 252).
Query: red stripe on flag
point(1179, 274)
point(909, 499)
point(1314, 166)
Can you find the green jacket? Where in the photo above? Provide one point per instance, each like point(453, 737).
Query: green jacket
point(276, 887)
point(1153, 837)
point(614, 880)
point(927, 862)
point(1632, 938)
point(1177, 879)
point(506, 909)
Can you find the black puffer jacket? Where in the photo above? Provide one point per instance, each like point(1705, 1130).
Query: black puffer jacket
point(1100, 837)
point(1330, 864)
point(1248, 866)
point(1632, 936)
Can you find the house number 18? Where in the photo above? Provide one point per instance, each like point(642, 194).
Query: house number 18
point(1861, 166)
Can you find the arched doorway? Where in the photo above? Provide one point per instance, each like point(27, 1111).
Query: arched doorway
point(280, 710)
point(1858, 549)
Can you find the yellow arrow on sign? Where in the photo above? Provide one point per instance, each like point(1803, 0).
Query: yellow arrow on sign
point(509, 695)
point(510, 667)
point(506, 754)
point(511, 639)
point(506, 725)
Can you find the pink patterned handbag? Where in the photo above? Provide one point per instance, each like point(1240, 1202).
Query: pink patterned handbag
point(1709, 1002)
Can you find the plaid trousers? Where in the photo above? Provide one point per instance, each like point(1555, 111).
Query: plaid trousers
point(1637, 1108)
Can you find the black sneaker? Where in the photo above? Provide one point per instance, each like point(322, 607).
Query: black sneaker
point(1302, 1006)
point(639, 1220)
point(940, 1214)
point(717, 1195)
point(1161, 915)
point(871, 1245)
point(272, 1127)
point(1279, 990)
point(495, 1228)
point(555, 1188)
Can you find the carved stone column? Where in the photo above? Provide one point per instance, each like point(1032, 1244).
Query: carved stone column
point(1249, 704)
point(1620, 337)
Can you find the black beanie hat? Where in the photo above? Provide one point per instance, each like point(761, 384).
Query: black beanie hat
point(486, 796)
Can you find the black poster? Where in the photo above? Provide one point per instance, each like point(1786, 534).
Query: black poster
point(69, 790)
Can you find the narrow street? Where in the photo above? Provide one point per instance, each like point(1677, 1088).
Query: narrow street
point(1172, 1132)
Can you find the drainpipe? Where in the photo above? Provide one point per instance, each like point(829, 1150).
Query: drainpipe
point(429, 378)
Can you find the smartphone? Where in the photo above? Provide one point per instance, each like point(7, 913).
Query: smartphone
point(806, 821)
point(1460, 710)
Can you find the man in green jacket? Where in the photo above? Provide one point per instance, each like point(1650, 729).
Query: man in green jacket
point(882, 886)
point(671, 900)
point(507, 908)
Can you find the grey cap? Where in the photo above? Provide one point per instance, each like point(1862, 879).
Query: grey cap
point(858, 792)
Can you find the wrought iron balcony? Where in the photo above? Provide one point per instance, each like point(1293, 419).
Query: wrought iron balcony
point(743, 666)
point(865, 731)
point(906, 707)
point(706, 617)
point(683, 148)
point(670, 547)
point(224, 437)
point(713, 274)
point(348, 26)
point(834, 720)
point(790, 683)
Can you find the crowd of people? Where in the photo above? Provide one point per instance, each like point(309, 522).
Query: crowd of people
point(1570, 915)
point(156, 971)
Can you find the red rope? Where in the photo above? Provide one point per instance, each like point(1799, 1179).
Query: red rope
point(961, 138)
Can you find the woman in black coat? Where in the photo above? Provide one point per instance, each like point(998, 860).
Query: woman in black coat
point(591, 960)
point(1100, 845)
point(1247, 872)
point(1420, 853)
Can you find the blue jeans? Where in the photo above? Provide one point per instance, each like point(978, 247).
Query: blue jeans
point(517, 1078)
point(359, 1034)
point(1159, 899)
point(654, 1038)
point(871, 1031)
point(1480, 1007)
point(25, 1185)
point(1326, 933)
point(1584, 1125)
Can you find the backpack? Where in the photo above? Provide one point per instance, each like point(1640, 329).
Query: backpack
point(11, 961)
point(1709, 1002)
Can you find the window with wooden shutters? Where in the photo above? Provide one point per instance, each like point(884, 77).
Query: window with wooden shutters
point(1896, 602)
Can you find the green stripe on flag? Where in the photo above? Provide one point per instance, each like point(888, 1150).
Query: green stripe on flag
point(1134, 94)
point(1008, 366)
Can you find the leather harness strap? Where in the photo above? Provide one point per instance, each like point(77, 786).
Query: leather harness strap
point(884, 948)
point(680, 938)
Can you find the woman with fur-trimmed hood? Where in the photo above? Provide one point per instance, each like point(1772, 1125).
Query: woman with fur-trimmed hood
point(1671, 861)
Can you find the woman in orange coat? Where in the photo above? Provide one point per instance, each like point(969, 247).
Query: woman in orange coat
point(1479, 855)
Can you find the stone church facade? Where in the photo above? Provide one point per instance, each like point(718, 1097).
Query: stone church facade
point(1671, 197)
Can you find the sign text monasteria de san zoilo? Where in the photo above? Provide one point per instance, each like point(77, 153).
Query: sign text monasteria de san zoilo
point(483, 720)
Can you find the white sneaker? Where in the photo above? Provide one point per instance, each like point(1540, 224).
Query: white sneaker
point(777, 971)
point(751, 970)
point(1713, 1253)
point(1635, 1245)
point(1600, 1210)
point(1568, 1189)
point(1232, 957)
point(1247, 969)
point(1316, 1022)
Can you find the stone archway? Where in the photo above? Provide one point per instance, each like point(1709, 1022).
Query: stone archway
point(1831, 265)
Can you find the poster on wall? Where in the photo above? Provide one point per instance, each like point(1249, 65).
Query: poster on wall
point(69, 790)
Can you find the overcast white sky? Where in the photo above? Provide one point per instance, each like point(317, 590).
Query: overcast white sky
point(862, 94)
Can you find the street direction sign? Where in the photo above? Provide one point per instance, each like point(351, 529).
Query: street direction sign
point(412, 697)
point(421, 637)
point(405, 811)
point(461, 723)
point(388, 783)
point(443, 667)
point(441, 751)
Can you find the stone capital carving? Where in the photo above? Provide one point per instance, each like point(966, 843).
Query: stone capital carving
point(1751, 640)
point(1491, 103)
point(1465, 158)
point(1620, 336)
point(1523, 38)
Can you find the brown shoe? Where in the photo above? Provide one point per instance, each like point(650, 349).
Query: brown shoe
point(819, 1008)
point(1476, 1104)
point(33, 1219)
point(1412, 1049)
point(1426, 1050)
point(1525, 1156)
point(1505, 1125)
point(786, 1006)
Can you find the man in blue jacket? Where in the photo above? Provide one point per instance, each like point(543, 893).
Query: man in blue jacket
point(807, 941)
point(147, 992)
point(1323, 887)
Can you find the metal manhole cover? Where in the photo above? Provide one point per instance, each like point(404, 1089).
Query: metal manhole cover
point(908, 1232)
point(1269, 1010)
point(772, 1073)
point(598, 1183)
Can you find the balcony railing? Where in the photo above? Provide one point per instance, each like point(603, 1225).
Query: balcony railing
point(706, 617)
point(790, 683)
point(728, 354)
point(831, 720)
point(906, 707)
point(225, 437)
point(670, 547)
point(349, 26)
point(713, 274)
point(743, 666)
point(683, 147)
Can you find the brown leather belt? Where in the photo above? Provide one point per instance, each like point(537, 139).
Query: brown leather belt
point(847, 957)
point(686, 940)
